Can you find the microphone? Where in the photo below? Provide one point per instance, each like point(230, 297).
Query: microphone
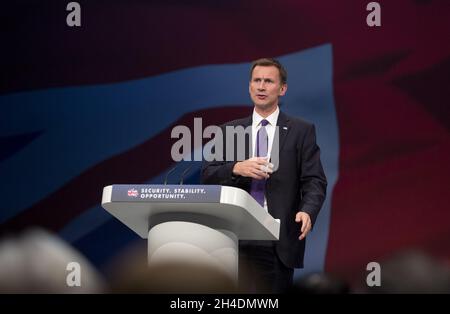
point(184, 173)
point(167, 174)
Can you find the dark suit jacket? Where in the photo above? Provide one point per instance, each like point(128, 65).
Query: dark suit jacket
point(299, 184)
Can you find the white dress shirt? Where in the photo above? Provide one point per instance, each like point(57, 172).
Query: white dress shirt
point(270, 128)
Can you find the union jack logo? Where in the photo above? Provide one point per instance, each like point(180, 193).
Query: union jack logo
point(133, 193)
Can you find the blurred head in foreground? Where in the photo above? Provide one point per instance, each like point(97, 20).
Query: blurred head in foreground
point(320, 283)
point(39, 262)
point(131, 273)
point(413, 272)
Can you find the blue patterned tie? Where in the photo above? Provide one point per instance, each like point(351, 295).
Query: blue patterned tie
point(262, 142)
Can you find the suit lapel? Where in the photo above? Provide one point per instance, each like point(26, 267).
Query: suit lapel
point(283, 128)
point(248, 136)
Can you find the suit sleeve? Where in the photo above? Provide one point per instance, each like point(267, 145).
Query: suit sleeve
point(312, 178)
point(220, 172)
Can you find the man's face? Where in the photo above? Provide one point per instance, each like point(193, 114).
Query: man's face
point(265, 87)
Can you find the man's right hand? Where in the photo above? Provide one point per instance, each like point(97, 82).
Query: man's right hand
point(257, 168)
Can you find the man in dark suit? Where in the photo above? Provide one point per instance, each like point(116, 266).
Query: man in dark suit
point(293, 193)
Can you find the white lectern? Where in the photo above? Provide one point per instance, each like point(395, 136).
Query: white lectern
point(191, 223)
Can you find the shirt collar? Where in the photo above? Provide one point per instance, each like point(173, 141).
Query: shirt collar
point(256, 119)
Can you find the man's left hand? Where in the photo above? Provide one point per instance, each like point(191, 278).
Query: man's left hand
point(306, 223)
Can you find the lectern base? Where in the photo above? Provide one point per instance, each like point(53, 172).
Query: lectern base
point(187, 242)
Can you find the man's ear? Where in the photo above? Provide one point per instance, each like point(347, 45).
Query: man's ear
point(283, 89)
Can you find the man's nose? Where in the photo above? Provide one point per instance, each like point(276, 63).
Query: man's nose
point(261, 85)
